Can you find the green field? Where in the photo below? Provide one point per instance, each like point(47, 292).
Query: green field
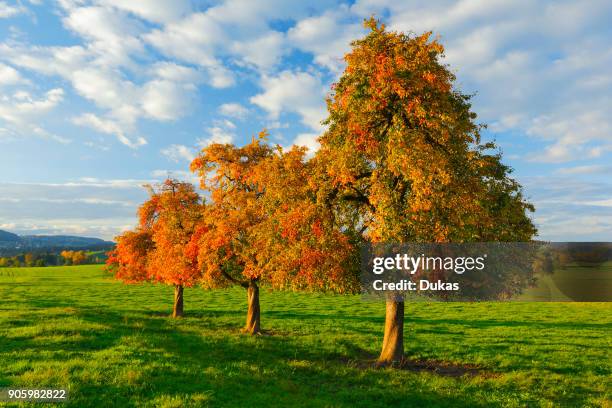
point(113, 345)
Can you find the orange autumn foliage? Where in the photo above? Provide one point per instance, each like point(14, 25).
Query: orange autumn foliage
point(74, 257)
point(223, 241)
point(300, 244)
point(263, 223)
point(402, 160)
point(172, 214)
point(402, 149)
point(128, 261)
point(155, 251)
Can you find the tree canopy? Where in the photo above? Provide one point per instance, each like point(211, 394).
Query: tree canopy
point(263, 223)
point(157, 250)
point(403, 155)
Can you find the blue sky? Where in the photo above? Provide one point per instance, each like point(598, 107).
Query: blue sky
point(98, 97)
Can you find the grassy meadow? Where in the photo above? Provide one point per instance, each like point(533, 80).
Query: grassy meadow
point(113, 345)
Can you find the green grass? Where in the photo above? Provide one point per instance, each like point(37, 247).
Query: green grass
point(113, 345)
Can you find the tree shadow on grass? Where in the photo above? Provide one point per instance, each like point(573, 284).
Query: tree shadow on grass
point(181, 358)
point(469, 323)
point(247, 370)
point(177, 361)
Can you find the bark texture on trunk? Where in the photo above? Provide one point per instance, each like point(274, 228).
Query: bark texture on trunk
point(177, 311)
point(393, 342)
point(253, 314)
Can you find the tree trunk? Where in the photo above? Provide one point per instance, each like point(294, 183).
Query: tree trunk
point(253, 314)
point(393, 342)
point(177, 311)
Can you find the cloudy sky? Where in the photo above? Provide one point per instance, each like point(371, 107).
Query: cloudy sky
point(98, 97)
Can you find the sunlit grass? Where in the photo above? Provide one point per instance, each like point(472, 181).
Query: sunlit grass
point(113, 345)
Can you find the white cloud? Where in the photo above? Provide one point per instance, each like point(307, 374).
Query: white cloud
point(106, 183)
point(172, 71)
point(298, 92)
point(112, 36)
point(104, 87)
point(74, 200)
point(99, 69)
point(327, 37)
point(7, 10)
point(158, 99)
point(571, 131)
point(227, 123)
point(570, 209)
point(216, 134)
point(233, 110)
point(178, 153)
point(28, 106)
point(110, 127)
point(115, 50)
point(21, 112)
point(166, 100)
point(309, 140)
point(62, 61)
point(9, 75)
point(264, 52)
point(166, 96)
point(159, 11)
point(194, 40)
point(570, 226)
point(88, 206)
point(276, 124)
point(233, 30)
point(600, 203)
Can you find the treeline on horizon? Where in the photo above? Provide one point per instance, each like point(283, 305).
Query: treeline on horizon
point(60, 258)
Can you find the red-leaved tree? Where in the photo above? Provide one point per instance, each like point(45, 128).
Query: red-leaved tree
point(263, 226)
point(158, 250)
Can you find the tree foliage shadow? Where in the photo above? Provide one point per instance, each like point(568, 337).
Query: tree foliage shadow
point(176, 359)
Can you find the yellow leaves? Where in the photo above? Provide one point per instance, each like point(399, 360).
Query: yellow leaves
point(263, 134)
point(429, 77)
point(395, 116)
point(373, 24)
point(75, 257)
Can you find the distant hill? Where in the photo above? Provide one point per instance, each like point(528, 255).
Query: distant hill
point(8, 237)
point(12, 244)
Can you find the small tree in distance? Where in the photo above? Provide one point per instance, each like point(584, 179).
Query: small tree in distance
point(156, 251)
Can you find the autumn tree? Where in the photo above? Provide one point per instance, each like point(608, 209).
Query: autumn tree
point(128, 261)
point(252, 229)
point(79, 257)
point(74, 257)
point(67, 256)
point(29, 259)
point(403, 156)
point(157, 250)
point(300, 243)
